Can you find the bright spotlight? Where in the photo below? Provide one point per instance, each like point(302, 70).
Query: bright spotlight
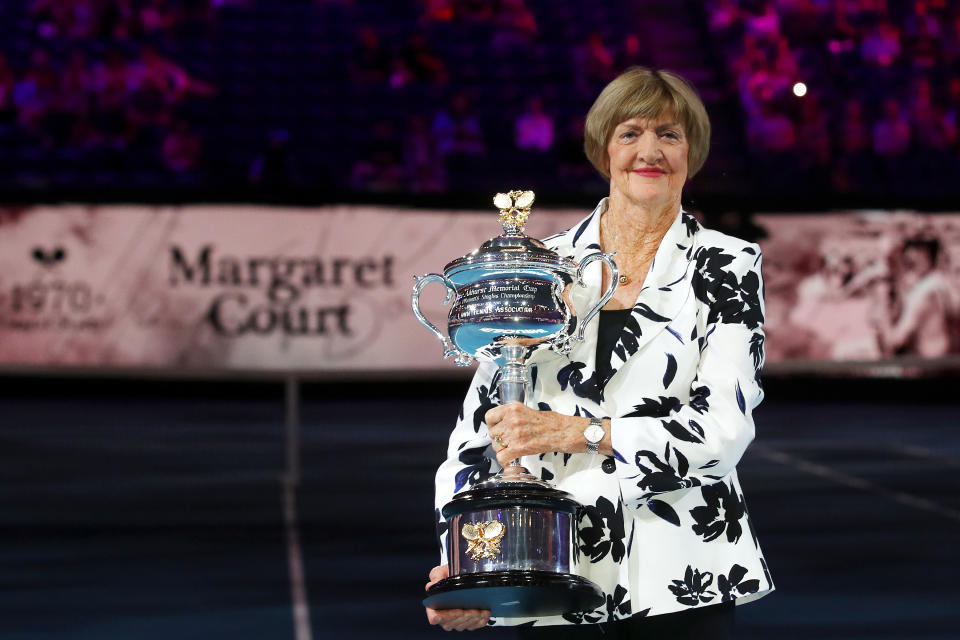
point(799, 89)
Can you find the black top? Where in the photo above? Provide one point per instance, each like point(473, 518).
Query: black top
point(611, 325)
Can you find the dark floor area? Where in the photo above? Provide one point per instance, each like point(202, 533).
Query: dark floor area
point(154, 510)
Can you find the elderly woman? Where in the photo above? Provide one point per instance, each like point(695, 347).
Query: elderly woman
point(645, 421)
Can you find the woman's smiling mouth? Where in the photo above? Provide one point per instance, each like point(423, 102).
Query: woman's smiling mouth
point(650, 173)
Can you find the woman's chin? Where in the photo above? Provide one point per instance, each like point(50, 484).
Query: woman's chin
point(650, 198)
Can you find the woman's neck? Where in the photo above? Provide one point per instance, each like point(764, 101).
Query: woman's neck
point(633, 231)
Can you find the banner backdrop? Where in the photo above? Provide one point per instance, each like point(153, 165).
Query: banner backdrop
point(231, 288)
point(862, 286)
point(271, 289)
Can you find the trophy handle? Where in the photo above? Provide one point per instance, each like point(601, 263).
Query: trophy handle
point(562, 343)
point(606, 258)
point(461, 358)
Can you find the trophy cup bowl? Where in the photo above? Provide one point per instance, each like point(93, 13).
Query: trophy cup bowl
point(512, 541)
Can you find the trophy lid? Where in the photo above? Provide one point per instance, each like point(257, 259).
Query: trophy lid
point(513, 246)
point(507, 494)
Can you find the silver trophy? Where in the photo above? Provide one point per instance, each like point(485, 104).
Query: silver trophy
point(512, 541)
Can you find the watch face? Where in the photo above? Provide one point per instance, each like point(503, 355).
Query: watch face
point(593, 433)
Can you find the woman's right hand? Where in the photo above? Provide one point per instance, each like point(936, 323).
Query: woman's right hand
point(454, 619)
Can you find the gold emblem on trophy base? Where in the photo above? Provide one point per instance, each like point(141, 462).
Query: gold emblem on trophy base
point(484, 539)
point(514, 209)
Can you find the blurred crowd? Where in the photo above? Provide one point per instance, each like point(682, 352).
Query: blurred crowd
point(880, 101)
point(418, 152)
point(436, 93)
point(92, 80)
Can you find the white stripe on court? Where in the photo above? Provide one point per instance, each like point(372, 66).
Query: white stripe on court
point(298, 586)
point(847, 480)
point(927, 454)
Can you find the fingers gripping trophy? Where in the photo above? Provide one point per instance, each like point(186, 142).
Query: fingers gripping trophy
point(513, 539)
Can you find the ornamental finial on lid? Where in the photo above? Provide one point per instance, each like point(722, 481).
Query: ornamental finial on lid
point(514, 210)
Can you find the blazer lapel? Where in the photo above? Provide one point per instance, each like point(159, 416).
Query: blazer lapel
point(580, 372)
point(664, 291)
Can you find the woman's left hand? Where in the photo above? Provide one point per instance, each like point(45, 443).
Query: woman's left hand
point(517, 430)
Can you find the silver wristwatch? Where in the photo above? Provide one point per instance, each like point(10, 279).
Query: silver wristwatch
point(594, 434)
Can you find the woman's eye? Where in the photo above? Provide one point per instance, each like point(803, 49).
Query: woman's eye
point(626, 135)
point(672, 135)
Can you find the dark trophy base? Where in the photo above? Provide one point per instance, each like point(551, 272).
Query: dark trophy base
point(516, 593)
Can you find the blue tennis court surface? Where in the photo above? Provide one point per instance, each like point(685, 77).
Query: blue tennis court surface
point(155, 511)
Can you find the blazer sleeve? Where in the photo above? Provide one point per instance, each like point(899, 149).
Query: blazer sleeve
point(702, 440)
point(470, 457)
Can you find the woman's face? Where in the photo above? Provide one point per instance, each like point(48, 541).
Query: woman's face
point(648, 161)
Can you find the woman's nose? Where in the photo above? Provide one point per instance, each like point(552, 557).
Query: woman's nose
point(649, 148)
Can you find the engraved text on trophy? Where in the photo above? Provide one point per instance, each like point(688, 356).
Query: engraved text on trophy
point(491, 298)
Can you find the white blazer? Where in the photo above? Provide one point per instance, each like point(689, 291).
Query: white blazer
point(665, 526)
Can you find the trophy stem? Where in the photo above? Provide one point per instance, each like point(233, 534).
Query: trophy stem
point(513, 379)
point(513, 388)
point(513, 374)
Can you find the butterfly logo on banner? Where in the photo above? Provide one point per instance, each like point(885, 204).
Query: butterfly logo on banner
point(49, 258)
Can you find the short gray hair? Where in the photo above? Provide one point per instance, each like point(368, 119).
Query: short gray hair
point(641, 92)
